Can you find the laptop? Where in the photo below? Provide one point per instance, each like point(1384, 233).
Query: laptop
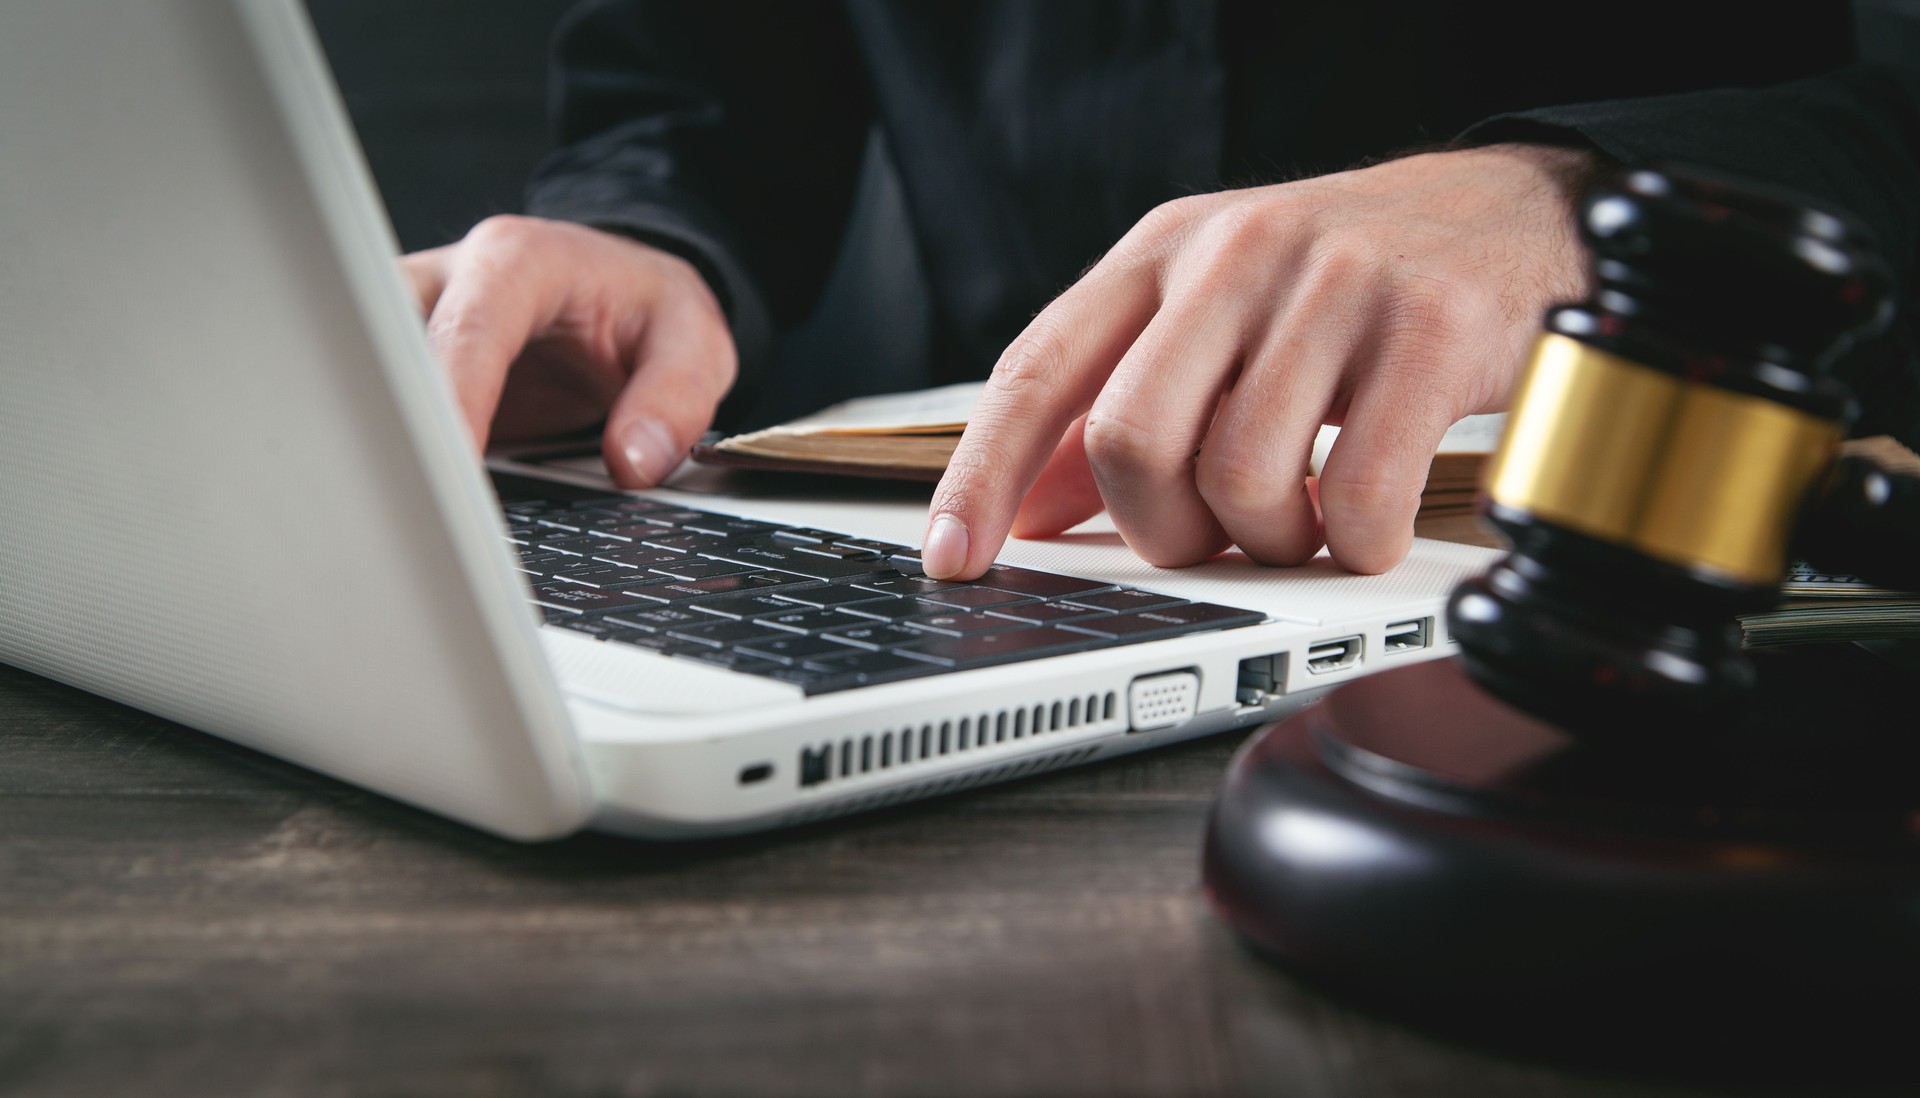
point(234, 492)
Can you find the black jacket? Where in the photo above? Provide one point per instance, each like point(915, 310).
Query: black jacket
point(998, 148)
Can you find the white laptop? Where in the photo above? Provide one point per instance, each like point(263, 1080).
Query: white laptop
point(234, 492)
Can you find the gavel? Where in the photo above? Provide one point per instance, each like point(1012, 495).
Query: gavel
point(1601, 800)
point(1674, 447)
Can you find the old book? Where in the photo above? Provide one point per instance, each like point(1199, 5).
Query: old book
point(898, 436)
point(911, 436)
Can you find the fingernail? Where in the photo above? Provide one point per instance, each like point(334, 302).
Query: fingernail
point(945, 552)
point(649, 450)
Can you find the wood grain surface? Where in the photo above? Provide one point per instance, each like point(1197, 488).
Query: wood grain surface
point(186, 917)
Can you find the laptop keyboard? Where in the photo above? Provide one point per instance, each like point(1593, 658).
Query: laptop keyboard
point(823, 610)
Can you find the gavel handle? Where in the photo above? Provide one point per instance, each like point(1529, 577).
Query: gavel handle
point(1864, 520)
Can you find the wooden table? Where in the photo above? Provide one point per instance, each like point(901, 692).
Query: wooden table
point(186, 917)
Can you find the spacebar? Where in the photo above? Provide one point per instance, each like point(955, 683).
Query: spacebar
point(981, 649)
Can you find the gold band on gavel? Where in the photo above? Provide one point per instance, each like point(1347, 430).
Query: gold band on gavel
point(1686, 473)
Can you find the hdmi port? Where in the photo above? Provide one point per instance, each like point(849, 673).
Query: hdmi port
point(1333, 655)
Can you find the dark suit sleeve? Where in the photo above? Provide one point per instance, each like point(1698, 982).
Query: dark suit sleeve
point(1849, 138)
point(726, 131)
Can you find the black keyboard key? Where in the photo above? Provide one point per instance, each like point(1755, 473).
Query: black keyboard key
point(681, 541)
point(800, 620)
point(976, 598)
point(983, 649)
point(1167, 621)
point(675, 516)
point(698, 568)
point(1041, 613)
point(961, 624)
point(830, 596)
point(640, 556)
point(579, 545)
point(744, 583)
point(727, 526)
point(724, 632)
point(1040, 585)
point(571, 598)
point(864, 669)
point(661, 590)
point(806, 533)
point(839, 552)
point(813, 681)
point(602, 524)
point(605, 576)
point(654, 619)
point(884, 548)
point(631, 508)
point(735, 661)
point(879, 635)
point(907, 585)
point(662, 643)
point(625, 532)
point(598, 628)
point(893, 609)
point(556, 524)
point(791, 557)
point(537, 563)
point(793, 647)
point(744, 606)
point(1125, 599)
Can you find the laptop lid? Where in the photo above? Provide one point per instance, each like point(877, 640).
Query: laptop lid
point(233, 487)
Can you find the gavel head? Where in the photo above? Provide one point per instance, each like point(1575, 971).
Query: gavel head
point(1661, 445)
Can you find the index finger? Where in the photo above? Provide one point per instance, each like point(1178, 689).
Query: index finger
point(1047, 378)
point(481, 321)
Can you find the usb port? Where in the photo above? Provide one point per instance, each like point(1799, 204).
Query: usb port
point(1407, 636)
point(1333, 655)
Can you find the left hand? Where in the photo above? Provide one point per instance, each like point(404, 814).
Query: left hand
point(1181, 382)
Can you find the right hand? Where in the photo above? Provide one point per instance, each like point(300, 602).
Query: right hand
point(545, 327)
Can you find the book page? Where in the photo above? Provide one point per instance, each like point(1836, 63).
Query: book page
point(944, 410)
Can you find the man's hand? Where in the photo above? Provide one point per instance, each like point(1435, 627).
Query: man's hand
point(1181, 382)
point(546, 327)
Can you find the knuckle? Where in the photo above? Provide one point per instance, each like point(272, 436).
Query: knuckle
point(1121, 448)
point(503, 232)
point(1241, 228)
point(1375, 494)
point(1235, 484)
point(450, 322)
point(1161, 231)
point(1172, 216)
point(1428, 310)
point(1032, 365)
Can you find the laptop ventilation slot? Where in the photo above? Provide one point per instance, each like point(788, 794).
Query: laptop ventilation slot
point(951, 784)
point(872, 752)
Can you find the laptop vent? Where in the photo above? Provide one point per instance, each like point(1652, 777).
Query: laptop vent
point(949, 784)
point(872, 752)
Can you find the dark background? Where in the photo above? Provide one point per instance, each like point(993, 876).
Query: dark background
point(449, 97)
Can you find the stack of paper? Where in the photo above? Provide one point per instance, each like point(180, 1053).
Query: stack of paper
point(1818, 607)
